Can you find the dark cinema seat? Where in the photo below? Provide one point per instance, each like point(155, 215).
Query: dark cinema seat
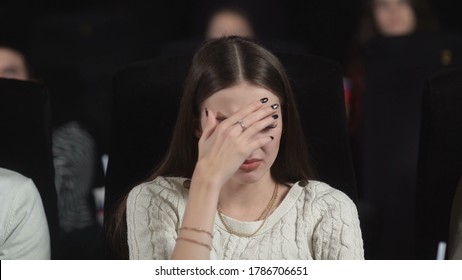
point(440, 160)
point(396, 69)
point(25, 143)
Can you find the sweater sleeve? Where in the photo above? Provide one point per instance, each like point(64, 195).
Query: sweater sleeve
point(337, 234)
point(152, 220)
point(26, 234)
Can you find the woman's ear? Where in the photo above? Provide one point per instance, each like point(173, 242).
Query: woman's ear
point(198, 133)
point(198, 130)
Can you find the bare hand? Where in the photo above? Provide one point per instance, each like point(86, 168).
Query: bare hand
point(224, 146)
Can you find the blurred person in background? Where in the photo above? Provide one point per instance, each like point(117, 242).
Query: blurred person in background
point(12, 64)
point(229, 22)
point(382, 18)
point(264, 21)
point(215, 19)
point(397, 48)
point(394, 17)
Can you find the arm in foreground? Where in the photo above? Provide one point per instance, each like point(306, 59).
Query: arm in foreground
point(25, 235)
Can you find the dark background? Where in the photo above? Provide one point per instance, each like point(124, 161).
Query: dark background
point(76, 47)
point(325, 27)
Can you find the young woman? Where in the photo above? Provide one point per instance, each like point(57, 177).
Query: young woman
point(236, 181)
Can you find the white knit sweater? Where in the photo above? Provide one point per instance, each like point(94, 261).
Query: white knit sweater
point(24, 231)
point(314, 221)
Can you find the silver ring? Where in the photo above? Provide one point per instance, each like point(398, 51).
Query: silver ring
point(241, 123)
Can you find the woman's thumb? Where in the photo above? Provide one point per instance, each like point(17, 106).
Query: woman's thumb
point(211, 123)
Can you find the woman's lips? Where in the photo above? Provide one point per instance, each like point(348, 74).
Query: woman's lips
point(250, 165)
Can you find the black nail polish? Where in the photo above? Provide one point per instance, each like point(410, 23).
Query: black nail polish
point(272, 138)
point(264, 100)
point(206, 112)
point(275, 116)
point(275, 106)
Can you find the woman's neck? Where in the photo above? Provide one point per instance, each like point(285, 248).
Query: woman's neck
point(246, 202)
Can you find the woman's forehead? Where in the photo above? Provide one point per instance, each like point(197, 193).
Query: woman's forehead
point(235, 97)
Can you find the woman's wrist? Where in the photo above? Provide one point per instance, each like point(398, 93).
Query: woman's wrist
point(204, 178)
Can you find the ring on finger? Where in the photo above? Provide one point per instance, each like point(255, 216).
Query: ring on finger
point(241, 123)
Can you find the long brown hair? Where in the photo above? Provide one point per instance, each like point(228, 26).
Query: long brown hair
point(219, 64)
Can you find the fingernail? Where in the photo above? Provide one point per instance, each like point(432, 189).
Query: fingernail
point(272, 138)
point(275, 106)
point(275, 116)
point(206, 112)
point(264, 100)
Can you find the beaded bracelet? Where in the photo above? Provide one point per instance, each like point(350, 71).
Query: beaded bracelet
point(195, 242)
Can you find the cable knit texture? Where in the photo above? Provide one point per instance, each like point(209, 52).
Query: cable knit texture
point(314, 221)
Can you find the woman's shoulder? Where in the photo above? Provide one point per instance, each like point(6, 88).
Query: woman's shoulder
point(14, 184)
point(10, 177)
point(161, 187)
point(321, 193)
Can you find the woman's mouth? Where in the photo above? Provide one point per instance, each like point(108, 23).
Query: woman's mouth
point(250, 165)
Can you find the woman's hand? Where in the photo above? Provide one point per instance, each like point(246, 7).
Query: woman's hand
point(224, 146)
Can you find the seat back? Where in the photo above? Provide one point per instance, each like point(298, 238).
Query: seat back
point(440, 159)
point(396, 69)
point(25, 142)
point(455, 227)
